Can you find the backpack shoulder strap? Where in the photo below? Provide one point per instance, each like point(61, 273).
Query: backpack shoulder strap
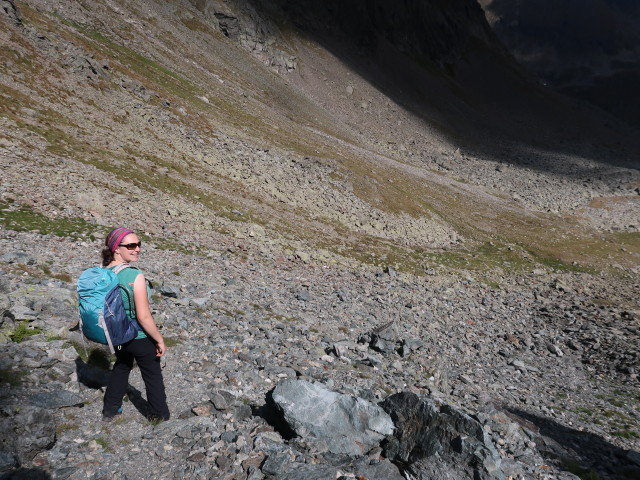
point(118, 268)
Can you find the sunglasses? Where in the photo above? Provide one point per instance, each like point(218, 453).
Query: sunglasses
point(131, 246)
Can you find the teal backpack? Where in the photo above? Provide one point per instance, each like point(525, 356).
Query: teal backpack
point(103, 317)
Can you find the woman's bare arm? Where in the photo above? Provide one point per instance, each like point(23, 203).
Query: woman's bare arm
point(143, 312)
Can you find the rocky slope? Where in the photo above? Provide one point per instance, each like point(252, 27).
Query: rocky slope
point(378, 213)
point(548, 367)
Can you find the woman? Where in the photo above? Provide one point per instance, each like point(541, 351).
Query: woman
point(122, 246)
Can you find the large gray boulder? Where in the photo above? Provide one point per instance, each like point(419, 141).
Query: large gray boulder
point(346, 424)
point(25, 431)
point(438, 442)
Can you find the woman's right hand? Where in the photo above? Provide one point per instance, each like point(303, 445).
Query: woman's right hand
point(160, 348)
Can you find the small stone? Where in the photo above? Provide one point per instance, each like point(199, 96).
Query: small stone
point(554, 349)
point(198, 302)
point(202, 410)
point(519, 364)
point(465, 379)
point(168, 291)
point(197, 457)
point(303, 295)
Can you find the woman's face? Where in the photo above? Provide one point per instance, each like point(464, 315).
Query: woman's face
point(131, 253)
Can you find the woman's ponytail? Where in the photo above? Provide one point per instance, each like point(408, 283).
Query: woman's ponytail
point(107, 256)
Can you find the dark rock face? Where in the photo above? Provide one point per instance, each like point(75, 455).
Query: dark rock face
point(239, 21)
point(26, 431)
point(438, 442)
point(587, 49)
point(438, 30)
point(572, 29)
point(433, 30)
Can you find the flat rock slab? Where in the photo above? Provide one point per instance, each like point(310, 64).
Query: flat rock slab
point(55, 399)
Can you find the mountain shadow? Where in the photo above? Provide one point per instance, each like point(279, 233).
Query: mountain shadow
point(589, 50)
point(441, 61)
point(584, 453)
point(26, 474)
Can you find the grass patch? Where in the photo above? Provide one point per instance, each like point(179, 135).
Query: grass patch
point(577, 469)
point(628, 434)
point(79, 349)
point(171, 342)
point(485, 256)
point(195, 25)
point(103, 443)
point(53, 338)
point(231, 313)
point(557, 264)
point(481, 257)
point(65, 427)
point(12, 377)
point(585, 410)
point(22, 218)
point(172, 245)
point(23, 331)
point(65, 277)
point(616, 402)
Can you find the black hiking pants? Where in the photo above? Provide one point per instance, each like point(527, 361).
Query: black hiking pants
point(143, 351)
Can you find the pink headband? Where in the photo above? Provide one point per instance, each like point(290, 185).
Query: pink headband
point(115, 237)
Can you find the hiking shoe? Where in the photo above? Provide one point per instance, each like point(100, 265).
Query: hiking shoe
point(109, 418)
point(156, 419)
